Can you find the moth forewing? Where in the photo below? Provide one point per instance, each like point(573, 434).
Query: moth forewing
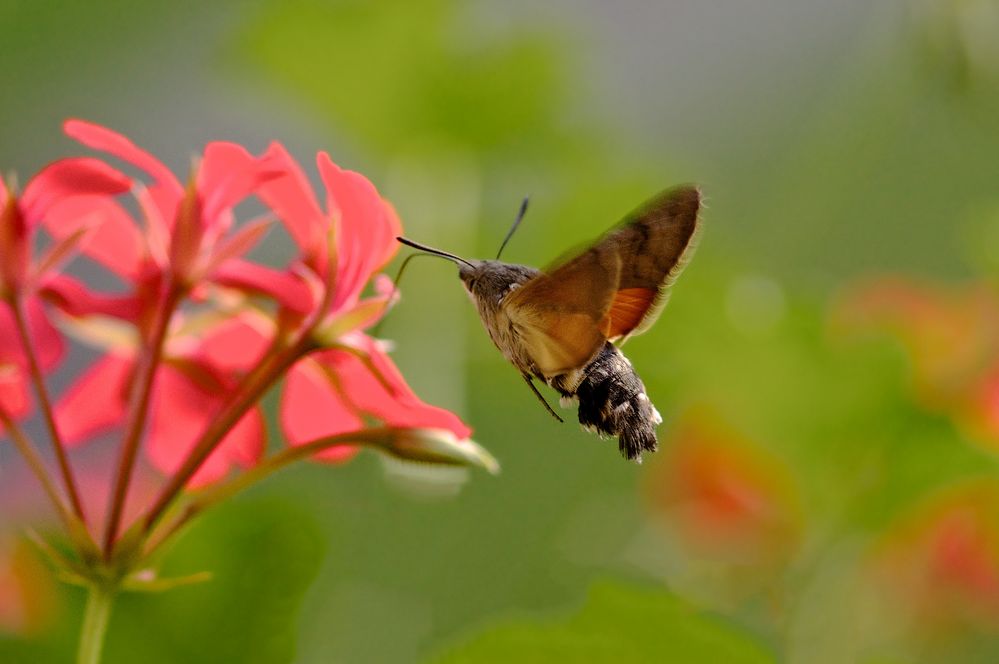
point(562, 317)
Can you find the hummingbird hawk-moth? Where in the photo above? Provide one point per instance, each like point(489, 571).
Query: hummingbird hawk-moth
point(564, 325)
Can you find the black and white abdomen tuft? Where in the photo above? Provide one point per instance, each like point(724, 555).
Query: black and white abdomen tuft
point(612, 401)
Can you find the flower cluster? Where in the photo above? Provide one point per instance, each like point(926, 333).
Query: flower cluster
point(199, 332)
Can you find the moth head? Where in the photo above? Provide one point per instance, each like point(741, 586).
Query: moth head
point(488, 282)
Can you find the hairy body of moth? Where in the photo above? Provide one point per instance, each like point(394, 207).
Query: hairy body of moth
point(612, 401)
point(612, 398)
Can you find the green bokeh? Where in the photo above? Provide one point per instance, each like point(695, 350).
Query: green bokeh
point(886, 164)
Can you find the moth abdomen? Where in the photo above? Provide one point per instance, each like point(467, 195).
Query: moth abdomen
point(613, 402)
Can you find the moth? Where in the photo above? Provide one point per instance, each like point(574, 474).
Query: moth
point(564, 325)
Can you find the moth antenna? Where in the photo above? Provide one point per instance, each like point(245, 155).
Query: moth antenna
point(516, 222)
point(434, 252)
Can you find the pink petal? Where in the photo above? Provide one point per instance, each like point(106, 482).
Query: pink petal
point(363, 315)
point(242, 446)
point(180, 412)
point(10, 347)
point(293, 201)
point(46, 339)
point(188, 233)
point(114, 242)
point(393, 401)
point(225, 176)
point(228, 174)
point(70, 177)
point(238, 243)
point(166, 193)
point(366, 232)
point(236, 345)
point(249, 277)
point(96, 401)
point(74, 298)
point(15, 399)
point(15, 244)
point(157, 228)
point(311, 408)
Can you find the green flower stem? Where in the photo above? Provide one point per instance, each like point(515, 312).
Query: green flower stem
point(422, 445)
point(46, 405)
point(149, 361)
point(378, 437)
point(95, 623)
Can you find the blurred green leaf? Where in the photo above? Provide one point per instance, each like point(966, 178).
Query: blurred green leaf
point(618, 624)
point(397, 71)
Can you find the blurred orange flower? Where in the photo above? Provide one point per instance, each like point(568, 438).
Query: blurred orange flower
point(28, 599)
point(940, 563)
point(951, 337)
point(726, 498)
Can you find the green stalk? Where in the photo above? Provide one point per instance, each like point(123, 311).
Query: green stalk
point(95, 623)
point(259, 380)
point(138, 407)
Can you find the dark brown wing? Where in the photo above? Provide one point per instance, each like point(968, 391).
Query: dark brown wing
point(654, 243)
point(562, 316)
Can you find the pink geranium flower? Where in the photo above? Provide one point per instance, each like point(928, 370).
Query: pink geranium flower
point(188, 233)
point(23, 281)
point(189, 242)
point(333, 389)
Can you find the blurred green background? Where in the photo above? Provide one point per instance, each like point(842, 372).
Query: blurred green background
point(823, 494)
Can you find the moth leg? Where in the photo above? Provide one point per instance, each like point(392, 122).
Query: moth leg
point(530, 382)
